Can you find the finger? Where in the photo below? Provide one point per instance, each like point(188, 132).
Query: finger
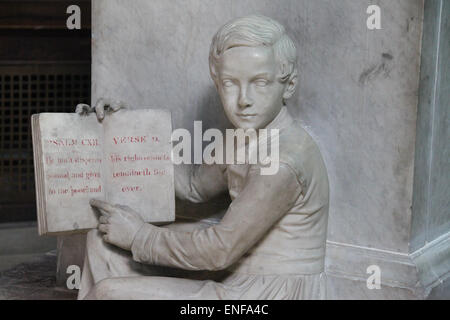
point(100, 109)
point(105, 237)
point(103, 228)
point(123, 207)
point(104, 213)
point(102, 205)
point(83, 108)
point(117, 105)
point(126, 211)
point(103, 219)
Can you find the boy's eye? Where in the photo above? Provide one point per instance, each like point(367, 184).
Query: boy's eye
point(227, 83)
point(261, 82)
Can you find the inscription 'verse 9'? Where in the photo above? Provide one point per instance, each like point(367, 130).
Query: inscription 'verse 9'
point(137, 139)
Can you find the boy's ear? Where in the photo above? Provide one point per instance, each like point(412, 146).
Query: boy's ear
point(291, 86)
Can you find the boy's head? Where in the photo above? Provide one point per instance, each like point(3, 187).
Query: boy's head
point(254, 66)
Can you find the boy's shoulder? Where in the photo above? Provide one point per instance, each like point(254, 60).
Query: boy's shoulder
point(299, 150)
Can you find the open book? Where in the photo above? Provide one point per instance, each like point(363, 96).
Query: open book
point(126, 159)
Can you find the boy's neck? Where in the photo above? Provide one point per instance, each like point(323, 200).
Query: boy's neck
point(282, 120)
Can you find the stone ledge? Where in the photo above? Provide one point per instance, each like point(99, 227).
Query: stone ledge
point(417, 272)
point(433, 262)
point(351, 262)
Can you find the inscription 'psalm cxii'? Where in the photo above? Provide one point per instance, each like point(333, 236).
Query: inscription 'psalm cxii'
point(71, 142)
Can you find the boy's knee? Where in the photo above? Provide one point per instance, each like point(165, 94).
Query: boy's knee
point(94, 238)
point(104, 289)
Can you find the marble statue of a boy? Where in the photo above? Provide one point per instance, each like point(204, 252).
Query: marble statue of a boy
point(271, 240)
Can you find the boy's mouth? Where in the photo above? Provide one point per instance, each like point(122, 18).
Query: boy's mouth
point(247, 115)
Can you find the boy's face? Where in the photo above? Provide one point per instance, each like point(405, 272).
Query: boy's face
point(251, 93)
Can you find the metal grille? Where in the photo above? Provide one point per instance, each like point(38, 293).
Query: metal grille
point(26, 90)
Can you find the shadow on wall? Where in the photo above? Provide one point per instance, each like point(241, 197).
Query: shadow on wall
point(210, 110)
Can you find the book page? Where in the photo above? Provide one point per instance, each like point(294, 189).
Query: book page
point(72, 155)
point(139, 169)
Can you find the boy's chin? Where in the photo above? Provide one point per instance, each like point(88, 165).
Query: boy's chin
point(247, 126)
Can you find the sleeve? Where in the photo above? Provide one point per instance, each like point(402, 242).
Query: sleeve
point(199, 183)
point(263, 201)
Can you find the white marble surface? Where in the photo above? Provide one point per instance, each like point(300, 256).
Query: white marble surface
point(357, 96)
point(357, 91)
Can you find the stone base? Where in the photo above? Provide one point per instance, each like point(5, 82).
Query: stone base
point(339, 288)
point(71, 250)
point(403, 275)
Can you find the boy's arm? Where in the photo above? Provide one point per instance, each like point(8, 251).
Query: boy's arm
point(263, 201)
point(199, 183)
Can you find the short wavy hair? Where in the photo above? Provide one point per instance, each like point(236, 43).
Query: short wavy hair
point(255, 31)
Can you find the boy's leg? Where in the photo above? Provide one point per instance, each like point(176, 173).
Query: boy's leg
point(111, 273)
point(103, 260)
point(158, 288)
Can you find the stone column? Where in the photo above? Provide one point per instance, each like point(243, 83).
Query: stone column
point(430, 233)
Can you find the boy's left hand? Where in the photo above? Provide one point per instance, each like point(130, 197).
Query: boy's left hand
point(118, 223)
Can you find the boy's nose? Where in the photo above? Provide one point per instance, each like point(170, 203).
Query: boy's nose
point(244, 100)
